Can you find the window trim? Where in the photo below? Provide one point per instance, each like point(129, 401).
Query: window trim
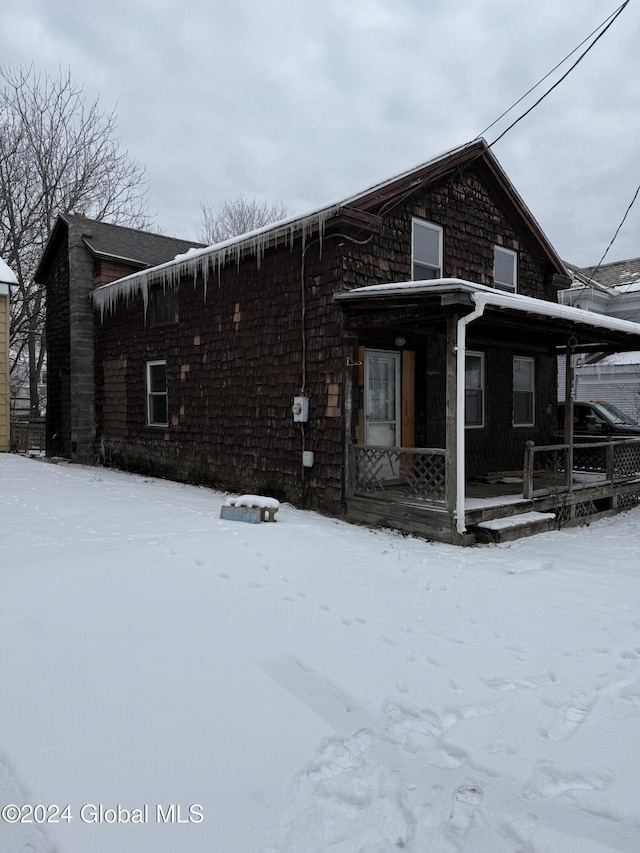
point(151, 394)
point(153, 305)
point(532, 391)
point(423, 223)
point(482, 389)
point(502, 285)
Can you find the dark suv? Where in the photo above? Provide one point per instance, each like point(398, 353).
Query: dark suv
point(598, 419)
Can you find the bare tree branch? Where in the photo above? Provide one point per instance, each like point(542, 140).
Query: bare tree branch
point(237, 216)
point(57, 154)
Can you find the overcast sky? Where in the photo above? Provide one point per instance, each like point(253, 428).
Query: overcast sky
point(309, 102)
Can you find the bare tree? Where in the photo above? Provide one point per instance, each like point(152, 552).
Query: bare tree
point(57, 154)
point(237, 216)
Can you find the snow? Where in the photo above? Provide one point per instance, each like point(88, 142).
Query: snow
point(259, 501)
point(484, 296)
point(521, 520)
point(7, 276)
point(313, 685)
point(618, 358)
point(211, 259)
point(629, 287)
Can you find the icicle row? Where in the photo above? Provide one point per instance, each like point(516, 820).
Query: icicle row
point(197, 261)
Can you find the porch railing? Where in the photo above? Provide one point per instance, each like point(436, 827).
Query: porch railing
point(565, 466)
point(403, 472)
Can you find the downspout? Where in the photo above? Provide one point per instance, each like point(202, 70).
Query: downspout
point(461, 351)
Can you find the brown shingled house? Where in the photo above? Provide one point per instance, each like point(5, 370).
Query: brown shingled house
point(82, 254)
point(391, 356)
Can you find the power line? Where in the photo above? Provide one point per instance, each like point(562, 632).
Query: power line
point(611, 20)
point(542, 79)
point(613, 239)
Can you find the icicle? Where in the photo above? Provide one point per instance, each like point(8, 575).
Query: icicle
point(197, 261)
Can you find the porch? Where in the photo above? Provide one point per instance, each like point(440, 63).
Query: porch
point(459, 381)
point(559, 485)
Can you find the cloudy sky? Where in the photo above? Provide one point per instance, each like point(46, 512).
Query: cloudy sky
point(309, 101)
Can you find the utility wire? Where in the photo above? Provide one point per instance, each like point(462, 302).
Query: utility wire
point(611, 20)
point(555, 68)
point(613, 239)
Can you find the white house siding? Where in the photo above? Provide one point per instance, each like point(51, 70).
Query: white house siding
point(616, 383)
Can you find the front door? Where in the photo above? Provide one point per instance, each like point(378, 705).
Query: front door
point(382, 403)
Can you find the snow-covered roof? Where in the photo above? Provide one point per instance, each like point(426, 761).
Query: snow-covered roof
point(211, 259)
point(484, 296)
point(7, 276)
point(252, 243)
point(617, 359)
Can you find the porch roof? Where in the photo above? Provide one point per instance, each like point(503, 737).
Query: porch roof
point(523, 314)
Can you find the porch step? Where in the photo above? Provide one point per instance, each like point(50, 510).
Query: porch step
point(514, 526)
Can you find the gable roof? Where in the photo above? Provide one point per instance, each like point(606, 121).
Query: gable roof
point(619, 274)
point(364, 209)
point(144, 249)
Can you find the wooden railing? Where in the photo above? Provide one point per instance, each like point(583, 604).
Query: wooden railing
point(404, 472)
point(28, 434)
point(562, 466)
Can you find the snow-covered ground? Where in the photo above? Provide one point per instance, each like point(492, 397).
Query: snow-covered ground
point(308, 686)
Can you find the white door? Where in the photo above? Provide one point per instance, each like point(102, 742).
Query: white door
point(382, 403)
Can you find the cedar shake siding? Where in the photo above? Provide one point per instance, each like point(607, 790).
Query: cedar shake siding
point(234, 358)
point(234, 364)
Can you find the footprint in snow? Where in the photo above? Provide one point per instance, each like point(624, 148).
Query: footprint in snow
point(569, 718)
point(465, 802)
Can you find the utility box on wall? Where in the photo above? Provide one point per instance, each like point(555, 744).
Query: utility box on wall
point(300, 409)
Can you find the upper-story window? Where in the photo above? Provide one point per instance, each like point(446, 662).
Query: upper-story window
point(505, 269)
point(162, 305)
point(426, 250)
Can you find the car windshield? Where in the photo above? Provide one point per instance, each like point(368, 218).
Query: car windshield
point(616, 415)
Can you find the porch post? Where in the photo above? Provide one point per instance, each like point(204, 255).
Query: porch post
point(568, 416)
point(451, 398)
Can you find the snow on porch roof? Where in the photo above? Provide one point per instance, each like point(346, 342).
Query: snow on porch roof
point(488, 297)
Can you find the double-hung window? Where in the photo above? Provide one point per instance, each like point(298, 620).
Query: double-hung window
point(474, 389)
point(157, 408)
point(426, 250)
point(505, 269)
point(523, 391)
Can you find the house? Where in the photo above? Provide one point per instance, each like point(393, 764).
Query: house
point(7, 278)
point(81, 254)
point(391, 356)
point(610, 376)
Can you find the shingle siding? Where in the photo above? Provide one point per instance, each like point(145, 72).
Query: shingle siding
point(234, 358)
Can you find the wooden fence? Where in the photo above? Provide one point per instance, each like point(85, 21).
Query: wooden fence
point(28, 435)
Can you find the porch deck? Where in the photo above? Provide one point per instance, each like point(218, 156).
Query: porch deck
point(605, 479)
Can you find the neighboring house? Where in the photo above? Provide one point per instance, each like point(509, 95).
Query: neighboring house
point(7, 278)
point(388, 354)
point(614, 377)
point(82, 254)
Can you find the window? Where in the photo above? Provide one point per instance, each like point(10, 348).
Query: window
point(474, 389)
point(426, 250)
point(523, 391)
point(162, 305)
point(505, 269)
point(157, 410)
